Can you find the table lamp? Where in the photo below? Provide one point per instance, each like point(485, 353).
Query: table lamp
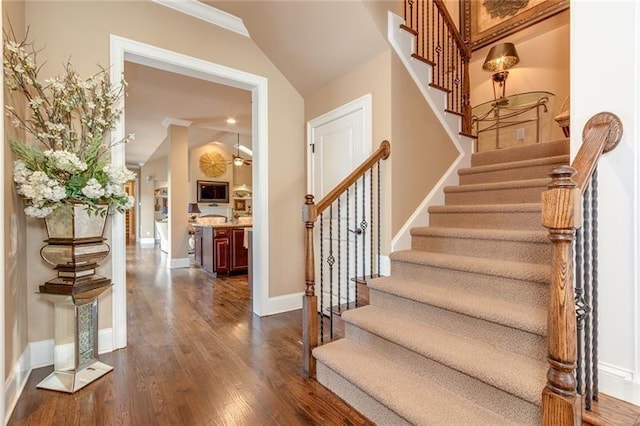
point(500, 58)
point(194, 210)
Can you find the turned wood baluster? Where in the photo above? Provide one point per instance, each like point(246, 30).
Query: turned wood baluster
point(309, 300)
point(561, 214)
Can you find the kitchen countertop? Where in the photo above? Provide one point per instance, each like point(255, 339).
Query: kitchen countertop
point(224, 225)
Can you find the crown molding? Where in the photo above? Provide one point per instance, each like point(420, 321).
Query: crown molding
point(207, 13)
point(170, 121)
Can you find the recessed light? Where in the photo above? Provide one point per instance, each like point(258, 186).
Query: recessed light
point(231, 121)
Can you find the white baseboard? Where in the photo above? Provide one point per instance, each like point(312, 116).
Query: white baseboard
point(41, 353)
point(14, 384)
point(618, 382)
point(279, 304)
point(178, 263)
point(105, 340)
point(147, 241)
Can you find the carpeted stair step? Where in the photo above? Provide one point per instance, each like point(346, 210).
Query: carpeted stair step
point(499, 244)
point(516, 380)
point(526, 152)
point(536, 168)
point(505, 324)
point(527, 216)
point(511, 192)
point(525, 283)
point(389, 393)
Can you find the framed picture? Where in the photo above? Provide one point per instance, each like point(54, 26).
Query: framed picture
point(486, 21)
point(240, 205)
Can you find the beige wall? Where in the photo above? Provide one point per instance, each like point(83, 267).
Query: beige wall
point(151, 173)
point(87, 43)
point(422, 150)
point(373, 77)
point(15, 290)
point(544, 64)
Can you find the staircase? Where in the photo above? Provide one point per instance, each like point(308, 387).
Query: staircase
point(456, 334)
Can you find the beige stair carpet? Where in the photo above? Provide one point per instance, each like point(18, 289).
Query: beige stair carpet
point(457, 334)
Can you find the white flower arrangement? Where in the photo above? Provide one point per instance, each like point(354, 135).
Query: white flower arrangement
point(70, 119)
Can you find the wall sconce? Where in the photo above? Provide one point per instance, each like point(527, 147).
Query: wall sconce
point(500, 58)
point(148, 178)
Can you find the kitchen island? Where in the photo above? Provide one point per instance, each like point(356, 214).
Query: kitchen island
point(220, 248)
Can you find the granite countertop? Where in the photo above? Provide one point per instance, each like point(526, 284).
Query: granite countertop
point(224, 225)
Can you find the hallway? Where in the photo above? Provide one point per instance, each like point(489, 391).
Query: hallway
point(196, 355)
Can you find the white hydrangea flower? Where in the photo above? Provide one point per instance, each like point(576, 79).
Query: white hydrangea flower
point(118, 175)
point(93, 189)
point(67, 161)
point(115, 190)
point(20, 172)
point(39, 212)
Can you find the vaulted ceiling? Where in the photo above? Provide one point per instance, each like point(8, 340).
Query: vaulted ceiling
point(310, 41)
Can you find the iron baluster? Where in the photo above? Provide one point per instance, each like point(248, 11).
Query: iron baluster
point(355, 238)
point(363, 226)
point(321, 279)
point(348, 264)
point(587, 293)
point(580, 311)
point(331, 262)
point(339, 259)
point(594, 277)
point(379, 224)
point(371, 219)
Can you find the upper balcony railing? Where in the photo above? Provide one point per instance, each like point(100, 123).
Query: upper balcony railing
point(439, 43)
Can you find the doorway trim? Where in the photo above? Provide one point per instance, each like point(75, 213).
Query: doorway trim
point(122, 49)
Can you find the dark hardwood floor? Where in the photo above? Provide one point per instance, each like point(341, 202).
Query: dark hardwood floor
point(196, 355)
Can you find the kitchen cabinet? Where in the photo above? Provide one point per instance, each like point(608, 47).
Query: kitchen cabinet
point(222, 249)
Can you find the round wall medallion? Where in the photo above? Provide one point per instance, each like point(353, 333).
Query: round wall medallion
point(213, 164)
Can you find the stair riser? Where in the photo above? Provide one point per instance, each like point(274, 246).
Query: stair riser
point(507, 338)
point(501, 402)
point(531, 194)
point(505, 175)
point(358, 399)
point(549, 149)
point(524, 292)
point(516, 251)
point(526, 221)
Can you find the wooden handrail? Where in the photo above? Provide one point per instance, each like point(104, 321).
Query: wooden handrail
point(562, 215)
point(453, 30)
point(382, 153)
point(601, 134)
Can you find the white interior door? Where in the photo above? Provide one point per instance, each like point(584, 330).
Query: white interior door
point(339, 142)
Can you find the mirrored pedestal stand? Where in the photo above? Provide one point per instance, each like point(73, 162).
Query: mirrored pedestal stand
point(76, 341)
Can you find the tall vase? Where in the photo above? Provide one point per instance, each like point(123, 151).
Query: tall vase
point(74, 248)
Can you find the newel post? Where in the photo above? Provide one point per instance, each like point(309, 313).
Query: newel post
point(561, 214)
point(309, 300)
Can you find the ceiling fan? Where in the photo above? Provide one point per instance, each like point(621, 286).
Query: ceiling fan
point(237, 159)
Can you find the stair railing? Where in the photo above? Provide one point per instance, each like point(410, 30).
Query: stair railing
point(572, 315)
point(349, 250)
point(440, 44)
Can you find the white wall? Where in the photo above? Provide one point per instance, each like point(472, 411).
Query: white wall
point(605, 48)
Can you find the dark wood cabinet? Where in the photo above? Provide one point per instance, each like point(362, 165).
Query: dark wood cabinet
point(222, 249)
point(239, 254)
